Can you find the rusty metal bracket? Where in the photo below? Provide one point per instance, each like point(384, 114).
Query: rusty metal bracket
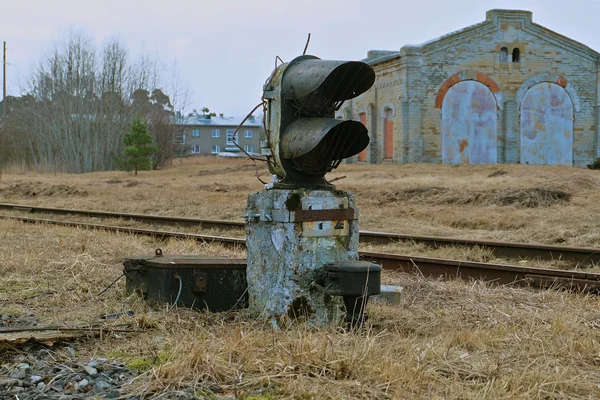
point(200, 282)
point(339, 214)
point(336, 214)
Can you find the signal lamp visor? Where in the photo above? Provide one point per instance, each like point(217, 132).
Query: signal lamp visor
point(317, 86)
point(315, 146)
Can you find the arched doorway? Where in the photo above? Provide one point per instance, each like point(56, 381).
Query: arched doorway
point(388, 134)
point(362, 156)
point(469, 124)
point(547, 126)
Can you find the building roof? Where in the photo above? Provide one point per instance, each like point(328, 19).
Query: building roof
point(197, 119)
point(379, 56)
point(492, 16)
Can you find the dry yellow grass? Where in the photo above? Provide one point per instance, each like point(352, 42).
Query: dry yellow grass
point(465, 201)
point(448, 339)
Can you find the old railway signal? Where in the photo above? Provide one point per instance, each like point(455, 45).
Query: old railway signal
point(304, 140)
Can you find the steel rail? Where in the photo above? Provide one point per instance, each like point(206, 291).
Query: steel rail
point(136, 231)
point(576, 256)
point(145, 218)
point(425, 266)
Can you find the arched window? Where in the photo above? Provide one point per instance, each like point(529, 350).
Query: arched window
point(516, 54)
point(503, 55)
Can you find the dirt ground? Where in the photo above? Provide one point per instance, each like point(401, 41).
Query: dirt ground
point(447, 339)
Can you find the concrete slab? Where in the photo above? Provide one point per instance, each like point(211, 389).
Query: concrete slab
point(390, 294)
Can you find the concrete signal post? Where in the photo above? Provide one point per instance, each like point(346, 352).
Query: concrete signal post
point(302, 233)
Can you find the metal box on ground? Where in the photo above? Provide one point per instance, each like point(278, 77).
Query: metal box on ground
point(201, 283)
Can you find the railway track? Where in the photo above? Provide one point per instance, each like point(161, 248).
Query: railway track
point(576, 256)
point(426, 266)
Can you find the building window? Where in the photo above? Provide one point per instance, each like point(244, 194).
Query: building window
point(230, 139)
point(196, 148)
point(516, 55)
point(503, 55)
point(216, 133)
point(216, 149)
point(248, 133)
point(196, 132)
point(248, 148)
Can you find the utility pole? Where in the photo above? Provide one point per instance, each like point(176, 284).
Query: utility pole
point(4, 107)
point(4, 86)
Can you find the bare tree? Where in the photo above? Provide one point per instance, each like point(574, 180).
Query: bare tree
point(81, 101)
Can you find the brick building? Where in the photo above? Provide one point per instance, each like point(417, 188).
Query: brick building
point(205, 134)
point(505, 90)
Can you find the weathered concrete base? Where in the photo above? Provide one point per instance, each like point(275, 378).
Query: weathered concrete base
point(390, 294)
point(285, 258)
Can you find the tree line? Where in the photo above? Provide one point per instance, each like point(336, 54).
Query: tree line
point(79, 103)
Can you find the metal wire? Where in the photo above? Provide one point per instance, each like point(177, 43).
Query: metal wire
point(178, 294)
point(109, 286)
point(262, 103)
point(307, 42)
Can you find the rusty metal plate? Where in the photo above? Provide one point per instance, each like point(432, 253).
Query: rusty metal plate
point(325, 216)
point(340, 214)
point(547, 126)
point(469, 124)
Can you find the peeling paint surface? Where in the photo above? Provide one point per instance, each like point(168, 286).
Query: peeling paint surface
point(469, 124)
point(547, 126)
point(284, 263)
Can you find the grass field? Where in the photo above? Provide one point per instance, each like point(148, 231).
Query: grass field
point(447, 340)
point(505, 202)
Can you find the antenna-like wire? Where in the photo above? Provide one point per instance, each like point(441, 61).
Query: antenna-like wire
point(307, 42)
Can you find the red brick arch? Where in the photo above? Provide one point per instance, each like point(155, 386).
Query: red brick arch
point(465, 76)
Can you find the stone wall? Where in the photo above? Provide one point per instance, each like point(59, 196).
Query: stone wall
point(413, 83)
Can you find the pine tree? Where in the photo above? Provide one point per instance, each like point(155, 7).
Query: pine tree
point(138, 147)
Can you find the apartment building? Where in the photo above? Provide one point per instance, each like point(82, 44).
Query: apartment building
point(204, 134)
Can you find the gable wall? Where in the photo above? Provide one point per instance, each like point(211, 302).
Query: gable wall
point(412, 84)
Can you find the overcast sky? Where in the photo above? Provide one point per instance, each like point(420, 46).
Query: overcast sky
point(226, 49)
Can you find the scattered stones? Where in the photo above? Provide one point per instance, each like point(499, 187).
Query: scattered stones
point(101, 386)
point(41, 374)
point(18, 373)
point(82, 385)
point(8, 383)
point(91, 371)
point(14, 321)
point(113, 395)
point(61, 374)
point(17, 389)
